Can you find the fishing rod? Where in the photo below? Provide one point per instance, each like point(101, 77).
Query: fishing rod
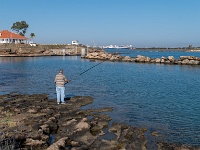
point(87, 70)
point(90, 68)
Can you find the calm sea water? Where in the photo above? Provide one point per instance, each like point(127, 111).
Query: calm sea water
point(162, 98)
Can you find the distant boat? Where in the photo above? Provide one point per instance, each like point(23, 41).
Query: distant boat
point(123, 47)
point(117, 47)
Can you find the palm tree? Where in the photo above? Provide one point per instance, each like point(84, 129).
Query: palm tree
point(32, 35)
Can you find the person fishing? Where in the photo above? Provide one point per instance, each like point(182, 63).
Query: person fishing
point(60, 81)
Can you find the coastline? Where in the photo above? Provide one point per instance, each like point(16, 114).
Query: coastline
point(25, 50)
point(36, 122)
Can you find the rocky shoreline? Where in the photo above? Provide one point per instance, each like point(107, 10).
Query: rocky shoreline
point(183, 60)
point(25, 50)
point(35, 122)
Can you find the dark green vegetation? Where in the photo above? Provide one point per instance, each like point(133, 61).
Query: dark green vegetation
point(20, 27)
point(32, 35)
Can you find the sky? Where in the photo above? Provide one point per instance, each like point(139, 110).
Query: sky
point(141, 23)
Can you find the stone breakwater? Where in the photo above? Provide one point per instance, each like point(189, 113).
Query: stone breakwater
point(38, 123)
point(183, 60)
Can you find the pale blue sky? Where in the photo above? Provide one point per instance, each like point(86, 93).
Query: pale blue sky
point(142, 23)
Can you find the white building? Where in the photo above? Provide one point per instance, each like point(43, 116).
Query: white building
point(75, 42)
point(10, 37)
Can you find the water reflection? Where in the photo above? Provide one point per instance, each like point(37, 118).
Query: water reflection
point(14, 59)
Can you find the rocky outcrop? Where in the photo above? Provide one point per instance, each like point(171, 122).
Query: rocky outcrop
point(183, 60)
point(35, 122)
point(23, 50)
point(38, 123)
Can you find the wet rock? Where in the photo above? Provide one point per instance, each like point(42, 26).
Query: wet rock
point(188, 57)
point(171, 58)
point(82, 125)
point(78, 101)
point(129, 137)
point(157, 60)
point(106, 145)
point(127, 58)
point(37, 119)
point(155, 134)
point(185, 61)
point(162, 60)
point(45, 129)
point(60, 144)
point(193, 62)
point(35, 144)
point(141, 58)
point(170, 146)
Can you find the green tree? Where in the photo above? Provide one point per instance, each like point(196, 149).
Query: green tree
point(32, 35)
point(20, 27)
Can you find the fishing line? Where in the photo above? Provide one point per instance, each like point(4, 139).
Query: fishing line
point(87, 70)
point(90, 68)
point(84, 72)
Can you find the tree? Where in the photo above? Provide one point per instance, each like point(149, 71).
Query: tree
point(20, 27)
point(190, 47)
point(32, 35)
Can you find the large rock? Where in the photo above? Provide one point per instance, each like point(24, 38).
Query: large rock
point(185, 61)
point(82, 125)
point(171, 58)
point(60, 144)
point(157, 60)
point(35, 144)
point(141, 58)
point(127, 58)
point(189, 57)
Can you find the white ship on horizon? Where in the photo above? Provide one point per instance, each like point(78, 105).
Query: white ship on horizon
point(118, 47)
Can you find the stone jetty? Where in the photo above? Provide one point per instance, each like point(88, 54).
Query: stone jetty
point(183, 60)
point(35, 122)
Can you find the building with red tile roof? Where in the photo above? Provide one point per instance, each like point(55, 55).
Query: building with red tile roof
point(10, 37)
